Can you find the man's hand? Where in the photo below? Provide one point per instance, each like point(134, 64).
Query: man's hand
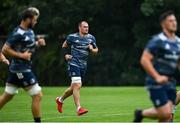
point(162, 79)
point(26, 55)
point(6, 61)
point(90, 47)
point(41, 42)
point(146, 62)
point(68, 57)
point(92, 50)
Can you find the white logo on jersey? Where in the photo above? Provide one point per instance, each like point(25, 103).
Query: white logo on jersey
point(167, 46)
point(20, 75)
point(73, 73)
point(172, 56)
point(158, 102)
point(77, 41)
point(27, 38)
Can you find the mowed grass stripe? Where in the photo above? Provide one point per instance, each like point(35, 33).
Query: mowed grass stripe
point(105, 104)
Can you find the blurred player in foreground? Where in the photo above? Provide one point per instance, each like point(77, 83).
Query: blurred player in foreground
point(159, 60)
point(81, 44)
point(20, 46)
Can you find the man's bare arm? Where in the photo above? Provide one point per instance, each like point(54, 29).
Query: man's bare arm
point(146, 62)
point(7, 50)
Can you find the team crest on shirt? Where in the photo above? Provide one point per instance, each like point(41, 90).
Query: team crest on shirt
point(167, 46)
point(77, 41)
point(27, 38)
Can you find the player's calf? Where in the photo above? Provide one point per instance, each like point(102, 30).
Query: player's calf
point(68, 92)
point(5, 98)
point(76, 94)
point(36, 100)
point(9, 93)
point(36, 94)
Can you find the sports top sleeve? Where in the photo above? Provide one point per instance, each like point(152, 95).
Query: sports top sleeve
point(93, 43)
point(152, 46)
point(69, 39)
point(13, 39)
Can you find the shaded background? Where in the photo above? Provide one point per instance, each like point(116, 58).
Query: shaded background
point(121, 27)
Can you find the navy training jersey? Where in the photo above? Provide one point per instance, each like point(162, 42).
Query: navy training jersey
point(166, 54)
point(79, 48)
point(21, 40)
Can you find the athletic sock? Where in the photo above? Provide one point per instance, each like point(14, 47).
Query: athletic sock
point(174, 109)
point(60, 99)
point(37, 119)
point(78, 108)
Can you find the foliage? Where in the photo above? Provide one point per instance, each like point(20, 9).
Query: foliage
point(121, 28)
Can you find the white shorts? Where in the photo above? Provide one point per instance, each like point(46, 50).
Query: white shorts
point(35, 89)
point(10, 89)
point(76, 80)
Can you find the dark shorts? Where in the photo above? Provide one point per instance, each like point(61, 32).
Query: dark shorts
point(161, 94)
point(75, 71)
point(23, 79)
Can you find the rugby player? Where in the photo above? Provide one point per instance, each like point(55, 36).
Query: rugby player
point(81, 44)
point(20, 46)
point(159, 60)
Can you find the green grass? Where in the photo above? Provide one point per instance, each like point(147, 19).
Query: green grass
point(105, 104)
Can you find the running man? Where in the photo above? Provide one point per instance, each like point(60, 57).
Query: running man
point(159, 60)
point(20, 46)
point(81, 45)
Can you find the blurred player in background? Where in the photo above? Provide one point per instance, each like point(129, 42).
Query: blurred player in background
point(159, 60)
point(20, 46)
point(81, 44)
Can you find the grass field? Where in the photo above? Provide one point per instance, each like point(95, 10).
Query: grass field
point(105, 104)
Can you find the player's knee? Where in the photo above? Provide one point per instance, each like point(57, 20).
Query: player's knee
point(35, 90)
point(165, 115)
point(40, 95)
point(37, 97)
point(76, 86)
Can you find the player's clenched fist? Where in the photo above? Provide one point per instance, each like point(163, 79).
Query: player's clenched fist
point(90, 47)
point(162, 79)
point(68, 57)
point(26, 55)
point(41, 42)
